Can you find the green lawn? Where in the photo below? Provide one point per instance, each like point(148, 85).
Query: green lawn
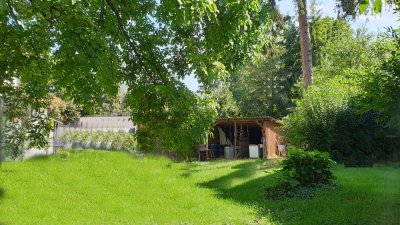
point(100, 187)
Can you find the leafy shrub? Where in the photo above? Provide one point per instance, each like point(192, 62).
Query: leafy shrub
point(327, 119)
point(308, 167)
point(38, 128)
point(116, 141)
point(64, 111)
point(96, 138)
point(75, 137)
point(305, 173)
point(25, 133)
point(129, 142)
point(66, 137)
point(382, 87)
point(174, 130)
point(15, 137)
point(106, 139)
point(357, 138)
point(312, 124)
point(85, 138)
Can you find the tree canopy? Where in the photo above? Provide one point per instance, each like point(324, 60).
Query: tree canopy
point(85, 49)
point(267, 88)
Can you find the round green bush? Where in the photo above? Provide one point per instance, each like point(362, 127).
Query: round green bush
point(308, 167)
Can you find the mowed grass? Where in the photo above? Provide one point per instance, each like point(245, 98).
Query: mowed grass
point(100, 187)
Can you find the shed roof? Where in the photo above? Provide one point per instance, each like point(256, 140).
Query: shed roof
point(252, 120)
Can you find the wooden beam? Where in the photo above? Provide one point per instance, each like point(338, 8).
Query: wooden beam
point(259, 124)
point(244, 121)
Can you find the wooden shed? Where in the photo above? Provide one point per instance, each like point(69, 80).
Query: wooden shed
point(245, 136)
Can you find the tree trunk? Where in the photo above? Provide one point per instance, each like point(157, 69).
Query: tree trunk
point(1, 130)
point(305, 43)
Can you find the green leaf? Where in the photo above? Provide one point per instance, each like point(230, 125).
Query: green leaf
point(363, 6)
point(378, 6)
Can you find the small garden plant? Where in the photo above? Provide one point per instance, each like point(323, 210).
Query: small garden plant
point(304, 172)
point(101, 140)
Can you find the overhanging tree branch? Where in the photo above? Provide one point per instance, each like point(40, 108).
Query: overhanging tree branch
point(141, 59)
point(38, 59)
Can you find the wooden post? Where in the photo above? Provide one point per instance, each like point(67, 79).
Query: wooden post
point(265, 135)
point(234, 141)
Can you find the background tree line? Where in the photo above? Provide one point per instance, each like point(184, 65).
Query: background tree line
point(351, 110)
point(245, 54)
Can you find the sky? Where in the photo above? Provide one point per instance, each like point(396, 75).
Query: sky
point(374, 23)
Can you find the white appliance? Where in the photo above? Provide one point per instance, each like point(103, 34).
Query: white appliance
point(254, 151)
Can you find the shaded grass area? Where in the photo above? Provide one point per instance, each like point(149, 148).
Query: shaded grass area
point(365, 196)
point(99, 187)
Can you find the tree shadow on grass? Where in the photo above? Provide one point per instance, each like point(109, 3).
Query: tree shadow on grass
point(2, 193)
point(249, 191)
point(344, 205)
point(39, 158)
point(242, 171)
point(192, 168)
point(247, 188)
point(189, 169)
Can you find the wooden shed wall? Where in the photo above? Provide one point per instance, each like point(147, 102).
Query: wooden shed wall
point(271, 133)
